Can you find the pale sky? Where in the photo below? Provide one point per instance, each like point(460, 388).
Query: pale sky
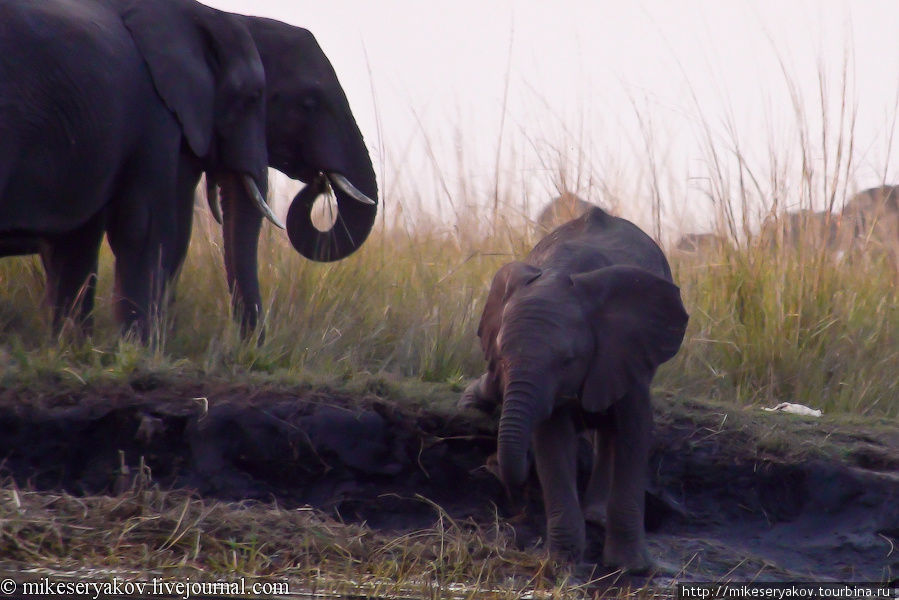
point(597, 82)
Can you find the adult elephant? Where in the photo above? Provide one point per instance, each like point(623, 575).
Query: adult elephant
point(107, 107)
point(803, 228)
point(312, 136)
point(870, 221)
point(572, 336)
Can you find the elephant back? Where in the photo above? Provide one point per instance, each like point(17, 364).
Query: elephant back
point(595, 240)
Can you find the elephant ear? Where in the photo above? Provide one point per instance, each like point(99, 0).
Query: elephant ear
point(638, 323)
point(174, 46)
point(509, 278)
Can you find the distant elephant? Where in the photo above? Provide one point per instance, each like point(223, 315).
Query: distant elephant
point(871, 219)
point(311, 136)
point(562, 209)
point(819, 230)
point(105, 108)
point(699, 243)
point(572, 336)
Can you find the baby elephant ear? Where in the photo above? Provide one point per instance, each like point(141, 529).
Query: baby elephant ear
point(638, 323)
point(509, 278)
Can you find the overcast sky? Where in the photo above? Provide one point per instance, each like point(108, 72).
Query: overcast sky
point(594, 80)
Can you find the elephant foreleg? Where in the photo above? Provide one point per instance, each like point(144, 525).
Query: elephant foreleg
point(625, 544)
point(70, 263)
point(555, 451)
point(140, 236)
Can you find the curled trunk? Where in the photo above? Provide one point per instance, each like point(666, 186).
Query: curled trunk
point(355, 219)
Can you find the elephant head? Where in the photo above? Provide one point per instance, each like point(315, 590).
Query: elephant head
point(580, 329)
point(205, 67)
point(313, 137)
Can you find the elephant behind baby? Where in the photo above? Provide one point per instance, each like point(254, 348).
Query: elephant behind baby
point(562, 209)
point(572, 335)
point(870, 221)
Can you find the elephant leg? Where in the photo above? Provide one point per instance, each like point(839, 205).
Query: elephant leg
point(555, 451)
point(188, 177)
point(141, 233)
point(625, 544)
point(482, 394)
point(174, 253)
point(139, 279)
point(600, 484)
point(70, 262)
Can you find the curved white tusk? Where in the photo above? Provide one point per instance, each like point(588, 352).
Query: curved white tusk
point(250, 186)
point(212, 197)
point(349, 189)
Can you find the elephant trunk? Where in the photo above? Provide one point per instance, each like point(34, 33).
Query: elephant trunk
point(241, 227)
point(516, 425)
point(356, 191)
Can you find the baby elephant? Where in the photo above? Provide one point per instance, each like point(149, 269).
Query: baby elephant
point(573, 335)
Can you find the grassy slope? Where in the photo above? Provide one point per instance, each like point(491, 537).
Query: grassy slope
point(767, 325)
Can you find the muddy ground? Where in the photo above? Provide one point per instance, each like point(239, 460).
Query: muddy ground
point(736, 493)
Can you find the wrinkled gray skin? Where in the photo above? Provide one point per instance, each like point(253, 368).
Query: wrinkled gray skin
point(572, 336)
point(106, 107)
point(310, 131)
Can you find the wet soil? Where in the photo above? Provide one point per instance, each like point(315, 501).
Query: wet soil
point(735, 494)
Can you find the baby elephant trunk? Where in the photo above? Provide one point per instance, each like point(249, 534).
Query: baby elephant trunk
point(516, 426)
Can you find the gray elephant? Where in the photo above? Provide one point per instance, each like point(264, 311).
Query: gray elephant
point(105, 108)
point(870, 220)
point(699, 243)
point(561, 210)
point(312, 136)
point(572, 336)
point(818, 230)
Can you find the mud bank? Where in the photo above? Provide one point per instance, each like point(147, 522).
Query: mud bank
point(725, 502)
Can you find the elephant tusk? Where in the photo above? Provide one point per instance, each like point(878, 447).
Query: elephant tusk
point(349, 189)
point(250, 186)
point(212, 197)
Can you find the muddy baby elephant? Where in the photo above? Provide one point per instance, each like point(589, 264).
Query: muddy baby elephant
point(573, 335)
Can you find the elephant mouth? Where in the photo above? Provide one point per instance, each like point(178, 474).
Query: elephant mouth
point(252, 189)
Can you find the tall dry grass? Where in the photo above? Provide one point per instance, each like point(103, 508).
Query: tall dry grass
point(768, 322)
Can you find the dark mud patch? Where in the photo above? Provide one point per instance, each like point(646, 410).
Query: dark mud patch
point(722, 504)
